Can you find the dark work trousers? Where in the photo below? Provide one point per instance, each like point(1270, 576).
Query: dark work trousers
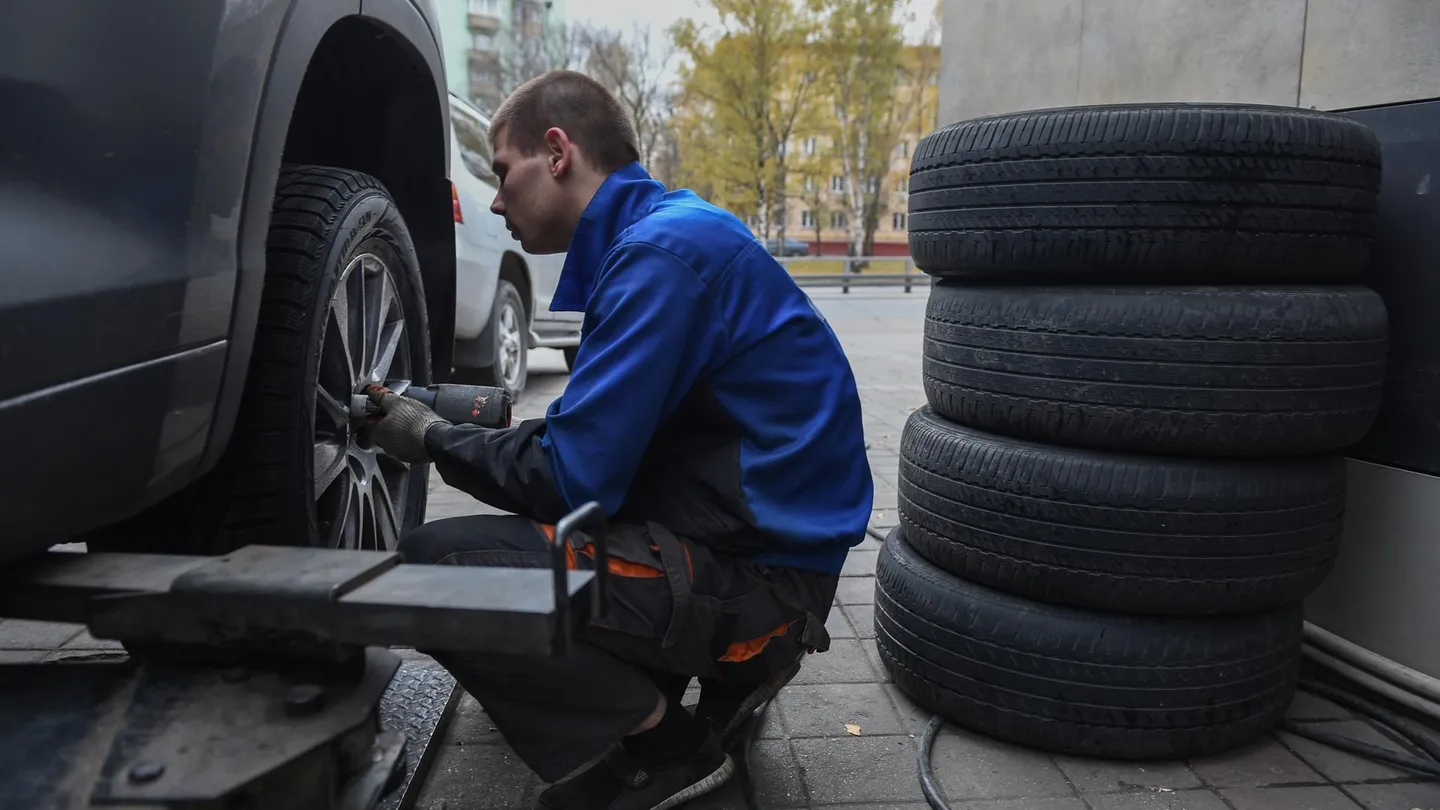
point(677, 611)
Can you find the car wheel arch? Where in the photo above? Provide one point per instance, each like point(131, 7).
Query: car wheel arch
point(313, 37)
point(514, 269)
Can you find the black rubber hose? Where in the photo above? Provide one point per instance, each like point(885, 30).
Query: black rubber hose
point(1363, 749)
point(1340, 697)
point(927, 773)
point(1360, 705)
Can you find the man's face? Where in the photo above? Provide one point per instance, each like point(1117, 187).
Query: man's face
point(531, 196)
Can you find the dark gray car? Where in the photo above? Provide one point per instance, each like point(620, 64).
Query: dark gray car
point(218, 220)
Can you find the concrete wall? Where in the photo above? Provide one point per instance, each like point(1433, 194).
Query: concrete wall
point(1010, 55)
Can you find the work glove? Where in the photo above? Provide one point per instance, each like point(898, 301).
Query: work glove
point(400, 431)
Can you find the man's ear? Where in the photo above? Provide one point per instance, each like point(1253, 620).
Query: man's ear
point(560, 150)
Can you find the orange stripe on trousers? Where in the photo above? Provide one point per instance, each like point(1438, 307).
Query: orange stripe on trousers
point(620, 568)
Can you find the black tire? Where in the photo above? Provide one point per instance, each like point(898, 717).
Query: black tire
point(263, 488)
point(1157, 193)
point(1074, 682)
point(500, 373)
point(571, 352)
point(1103, 531)
point(1241, 372)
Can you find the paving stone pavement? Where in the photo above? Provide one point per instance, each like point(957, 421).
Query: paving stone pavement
point(807, 759)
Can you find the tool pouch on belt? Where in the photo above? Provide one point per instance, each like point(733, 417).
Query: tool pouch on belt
point(711, 612)
point(756, 622)
point(656, 602)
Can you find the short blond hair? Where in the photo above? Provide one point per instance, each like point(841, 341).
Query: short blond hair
point(592, 118)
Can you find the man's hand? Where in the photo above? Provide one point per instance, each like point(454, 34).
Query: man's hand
point(401, 431)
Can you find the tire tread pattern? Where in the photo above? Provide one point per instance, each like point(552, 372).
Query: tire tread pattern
point(1160, 192)
point(1123, 533)
point(1238, 372)
point(1075, 682)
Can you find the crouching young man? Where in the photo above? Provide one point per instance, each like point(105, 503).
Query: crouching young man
point(712, 414)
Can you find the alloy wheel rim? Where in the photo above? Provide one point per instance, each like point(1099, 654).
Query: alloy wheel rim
point(508, 335)
point(359, 489)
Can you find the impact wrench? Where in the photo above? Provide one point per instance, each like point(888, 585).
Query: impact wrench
point(481, 405)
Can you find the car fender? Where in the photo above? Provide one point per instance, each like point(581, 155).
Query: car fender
point(300, 30)
point(303, 25)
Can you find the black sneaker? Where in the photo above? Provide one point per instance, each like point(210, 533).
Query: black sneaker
point(730, 711)
point(621, 782)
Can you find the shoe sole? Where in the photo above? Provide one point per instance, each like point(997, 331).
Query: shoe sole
point(764, 693)
point(718, 777)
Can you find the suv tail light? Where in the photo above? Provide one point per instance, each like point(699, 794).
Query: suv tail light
point(455, 204)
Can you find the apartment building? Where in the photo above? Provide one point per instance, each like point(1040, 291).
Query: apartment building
point(491, 45)
point(818, 209)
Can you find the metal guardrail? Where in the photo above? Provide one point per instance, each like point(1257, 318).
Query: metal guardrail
point(855, 272)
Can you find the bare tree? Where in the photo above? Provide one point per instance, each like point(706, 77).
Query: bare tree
point(534, 46)
point(665, 164)
point(634, 66)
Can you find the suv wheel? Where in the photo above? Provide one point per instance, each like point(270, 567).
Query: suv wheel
point(510, 363)
point(342, 307)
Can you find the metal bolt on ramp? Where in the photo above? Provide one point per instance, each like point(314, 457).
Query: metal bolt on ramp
point(419, 704)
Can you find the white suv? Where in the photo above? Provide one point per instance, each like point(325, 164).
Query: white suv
point(502, 293)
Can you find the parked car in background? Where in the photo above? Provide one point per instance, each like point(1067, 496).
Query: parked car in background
point(502, 293)
point(793, 247)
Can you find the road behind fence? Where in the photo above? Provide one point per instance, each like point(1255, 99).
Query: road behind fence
point(854, 271)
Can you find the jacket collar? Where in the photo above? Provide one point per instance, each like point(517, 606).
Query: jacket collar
point(623, 199)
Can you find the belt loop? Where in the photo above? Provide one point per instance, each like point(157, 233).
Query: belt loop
point(672, 557)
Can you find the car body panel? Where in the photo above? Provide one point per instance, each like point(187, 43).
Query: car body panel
point(483, 244)
point(134, 206)
point(100, 190)
point(793, 247)
point(477, 239)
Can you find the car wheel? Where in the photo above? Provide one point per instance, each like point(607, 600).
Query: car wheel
point(342, 307)
point(1147, 193)
point(1085, 683)
point(510, 365)
point(1231, 372)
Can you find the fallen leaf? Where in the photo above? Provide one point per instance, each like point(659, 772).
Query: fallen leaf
point(854, 730)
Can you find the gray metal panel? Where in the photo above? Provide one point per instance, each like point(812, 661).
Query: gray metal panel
point(1367, 52)
point(1383, 594)
point(1181, 50)
point(1008, 55)
point(1403, 271)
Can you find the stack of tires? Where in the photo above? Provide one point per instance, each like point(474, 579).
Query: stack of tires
point(1145, 353)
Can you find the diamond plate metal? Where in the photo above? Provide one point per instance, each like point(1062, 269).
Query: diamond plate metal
point(419, 703)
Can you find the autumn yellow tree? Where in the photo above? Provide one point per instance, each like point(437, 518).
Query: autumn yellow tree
point(745, 84)
point(876, 83)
